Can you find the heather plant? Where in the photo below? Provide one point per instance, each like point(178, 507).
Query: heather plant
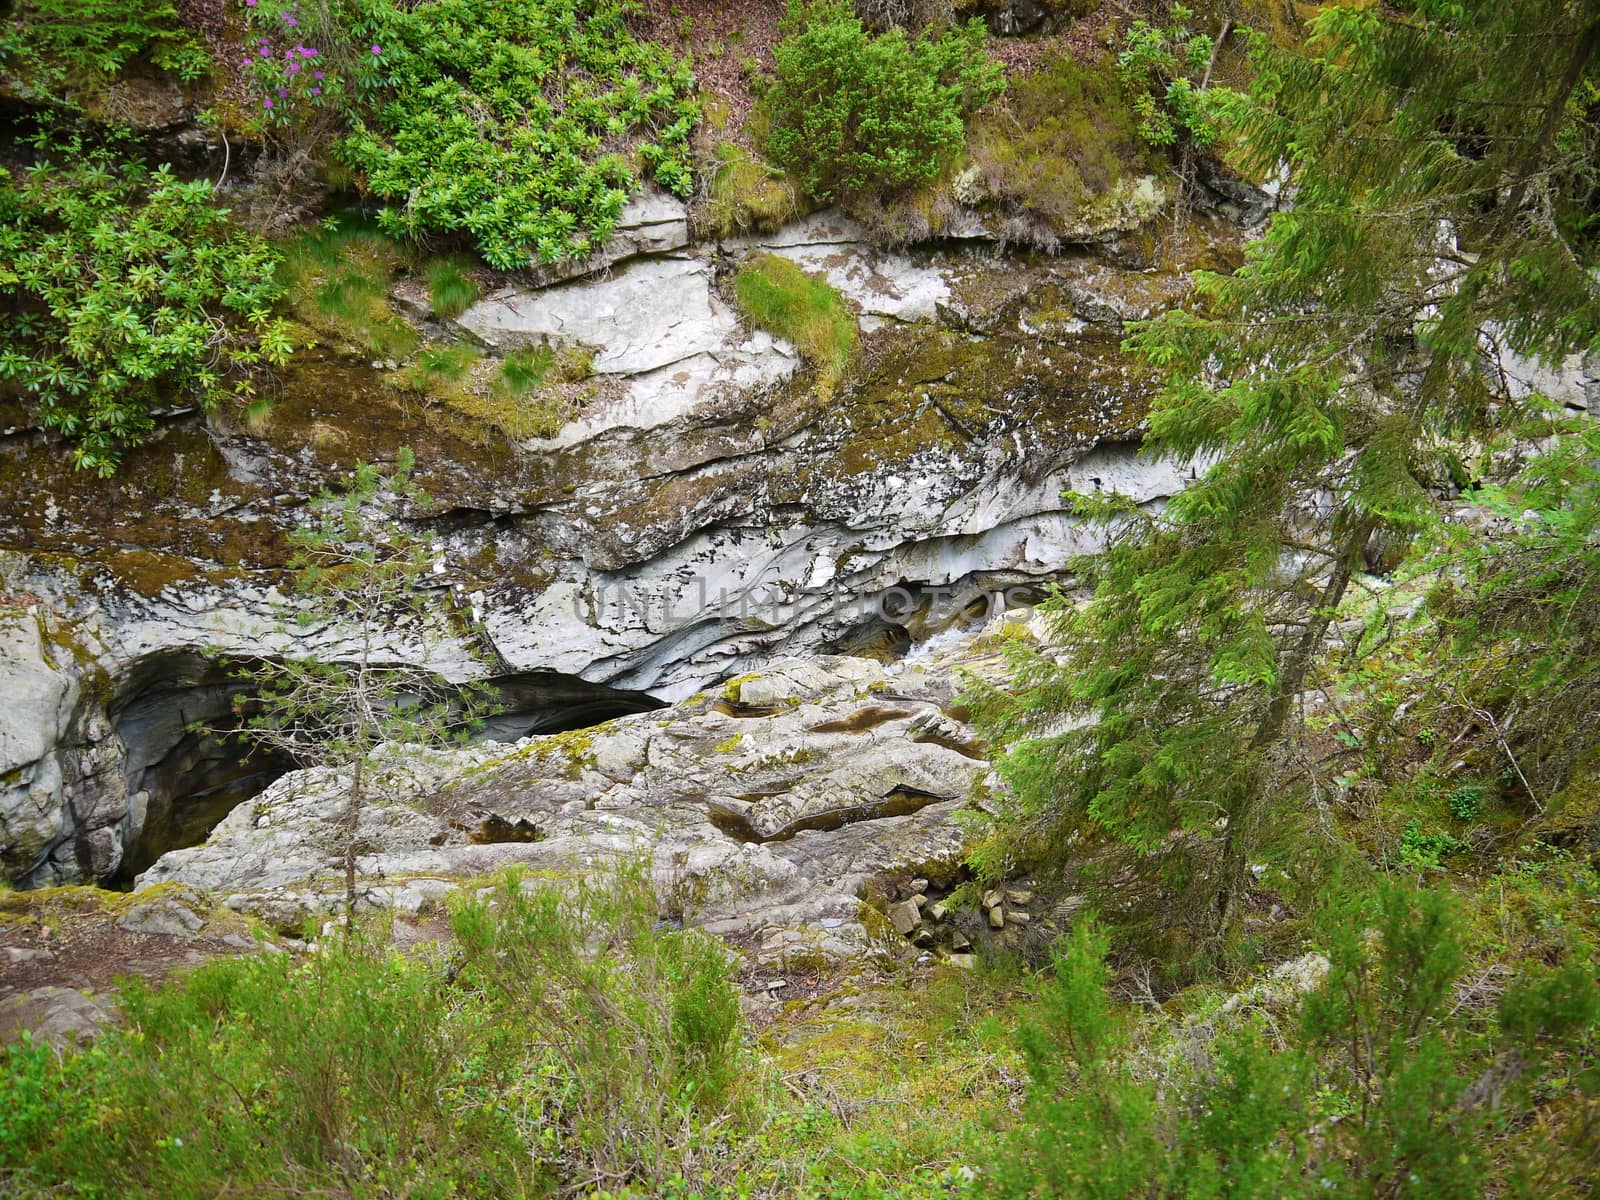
point(852, 113)
point(130, 291)
point(538, 1059)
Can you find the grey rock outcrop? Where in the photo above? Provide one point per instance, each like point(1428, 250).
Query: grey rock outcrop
point(705, 511)
point(63, 1017)
point(63, 797)
point(764, 808)
point(652, 222)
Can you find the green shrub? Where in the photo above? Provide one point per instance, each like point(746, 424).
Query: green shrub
point(1164, 68)
point(1387, 1086)
point(56, 47)
point(524, 126)
point(450, 290)
point(776, 295)
point(540, 1058)
point(853, 113)
point(129, 292)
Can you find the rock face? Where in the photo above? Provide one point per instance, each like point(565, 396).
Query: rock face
point(658, 328)
point(706, 510)
point(63, 797)
point(765, 810)
point(63, 1017)
point(101, 766)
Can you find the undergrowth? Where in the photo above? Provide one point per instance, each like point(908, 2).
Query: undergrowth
point(128, 291)
point(745, 194)
point(62, 49)
point(1061, 138)
point(524, 127)
point(535, 1061)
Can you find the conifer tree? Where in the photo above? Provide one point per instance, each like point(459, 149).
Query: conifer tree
point(359, 570)
point(1440, 163)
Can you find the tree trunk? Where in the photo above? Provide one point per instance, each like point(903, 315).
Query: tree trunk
point(1244, 823)
point(352, 821)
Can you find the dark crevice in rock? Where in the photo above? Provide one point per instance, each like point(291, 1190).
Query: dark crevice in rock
point(876, 637)
point(862, 720)
point(730, 708)
point(493, 829)
point(972, 750)
point(901, 802)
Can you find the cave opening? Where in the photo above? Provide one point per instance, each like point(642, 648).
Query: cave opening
point(187, 768)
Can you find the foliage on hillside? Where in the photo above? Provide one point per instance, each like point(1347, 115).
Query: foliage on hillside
point(536, 1058)
point(131, 293)
point(55, 49)
point(477, 130)
point(523, 127)
point(1385, 1085)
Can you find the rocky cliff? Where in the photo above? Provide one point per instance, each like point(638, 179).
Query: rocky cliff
point(706, 510)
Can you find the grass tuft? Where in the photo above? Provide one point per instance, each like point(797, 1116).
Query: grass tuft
point(337, 281)
point(776, 295)
point(531, 393)
point(451, 290)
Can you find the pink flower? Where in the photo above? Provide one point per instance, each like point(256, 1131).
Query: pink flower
point(316, 91)
point(293, 68)
point(377, 50)
point(316, 74)
point(249, 62)
point(289, 21)
point(267, 103)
